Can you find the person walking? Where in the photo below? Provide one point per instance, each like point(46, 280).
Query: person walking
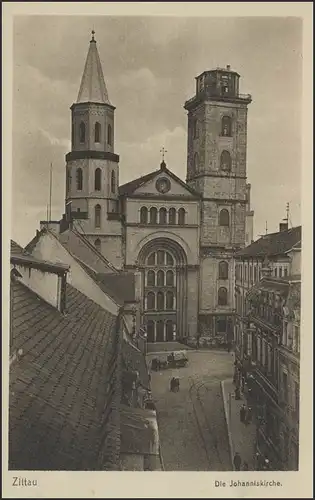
point(237, 461)
point(249, 414)
point(242, 413)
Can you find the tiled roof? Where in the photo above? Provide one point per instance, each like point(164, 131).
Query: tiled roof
point(132, 186)
point(134, 360)
point(58, 387)
point(273, 244)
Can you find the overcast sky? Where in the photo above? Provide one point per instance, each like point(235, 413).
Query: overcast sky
point(150, 65)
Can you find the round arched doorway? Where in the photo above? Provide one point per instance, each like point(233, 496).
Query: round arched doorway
point(164, 267)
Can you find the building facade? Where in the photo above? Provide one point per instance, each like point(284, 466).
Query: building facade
point(181, 236)
point(267, 341)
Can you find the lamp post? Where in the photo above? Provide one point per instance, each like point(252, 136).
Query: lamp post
point(134, 314)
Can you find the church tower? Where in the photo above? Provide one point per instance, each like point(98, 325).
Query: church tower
point(216, 168)
point(92, 171)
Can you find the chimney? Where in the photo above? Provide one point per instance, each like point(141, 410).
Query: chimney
point(283, 226)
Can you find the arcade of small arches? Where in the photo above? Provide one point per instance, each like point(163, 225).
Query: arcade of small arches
point(162, 216)
point(97, 133)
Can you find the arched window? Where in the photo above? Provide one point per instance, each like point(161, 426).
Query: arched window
point(151, 259)
point(169, 300)
point(97, 179)
point(160, 258)
point(159, 331)
point(150, 331)
point(97, 244)
point(160, 301)
point(172, 216)
point(79, 179)
point(196, 162)
point(169, 259)
point(113, 182)
point(162, 216)
point(82, 132)
point(224, 218)
point(181, 216)
point(225, 161)
point(143, 215)
point(226, 126)
point(97, 215)
point(160, 278)
point(223, 270)
point(153, 215)
point(280, 272)
point(169, 330)
point(97, 132)
point(170, 278)
point(151, 278)
point(222, 296)
point(151, 301)
point(109, 135)
point(255, 273)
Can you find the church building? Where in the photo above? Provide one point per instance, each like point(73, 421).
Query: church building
point(180, 235)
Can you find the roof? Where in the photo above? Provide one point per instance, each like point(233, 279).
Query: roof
point(57, 395)
point(93, 88)
point(16, 249)
point(44, 265)
point(120, 286)
point(79, 246)
point(134, 360)
point(130, 187)
point(273, 244)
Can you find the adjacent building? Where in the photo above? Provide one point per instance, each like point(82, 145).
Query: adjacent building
point(73, 360)
point(267, 338)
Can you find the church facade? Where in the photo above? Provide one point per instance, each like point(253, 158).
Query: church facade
point(181, 236)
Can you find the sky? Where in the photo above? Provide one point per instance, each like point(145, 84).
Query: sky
point(150, 65)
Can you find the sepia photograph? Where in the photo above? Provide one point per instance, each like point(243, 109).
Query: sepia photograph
point(155, 312)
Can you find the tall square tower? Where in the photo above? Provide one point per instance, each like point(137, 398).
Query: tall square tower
point(216, 168)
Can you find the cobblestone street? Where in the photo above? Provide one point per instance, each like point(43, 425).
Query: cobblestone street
point(192, 425)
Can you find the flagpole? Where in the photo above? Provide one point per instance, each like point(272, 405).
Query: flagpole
point(50, 191)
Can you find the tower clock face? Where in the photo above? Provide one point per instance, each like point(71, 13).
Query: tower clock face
point(163, 185)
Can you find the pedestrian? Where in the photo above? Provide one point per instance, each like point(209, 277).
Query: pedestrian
point(242, 413)
point(249, 414)
point(237, 393)
point(237, 461)
point(266, 465)
point(245, 466)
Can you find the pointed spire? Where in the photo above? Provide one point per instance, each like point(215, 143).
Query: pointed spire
point(93, 88)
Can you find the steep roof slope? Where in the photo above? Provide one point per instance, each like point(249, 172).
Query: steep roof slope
point(58, 391)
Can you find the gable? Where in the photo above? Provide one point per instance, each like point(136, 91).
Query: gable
point(164, 184)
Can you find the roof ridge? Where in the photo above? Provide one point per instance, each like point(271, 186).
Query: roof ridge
point(89, 244)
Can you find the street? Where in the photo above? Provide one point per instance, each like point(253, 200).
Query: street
point(192, 426)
